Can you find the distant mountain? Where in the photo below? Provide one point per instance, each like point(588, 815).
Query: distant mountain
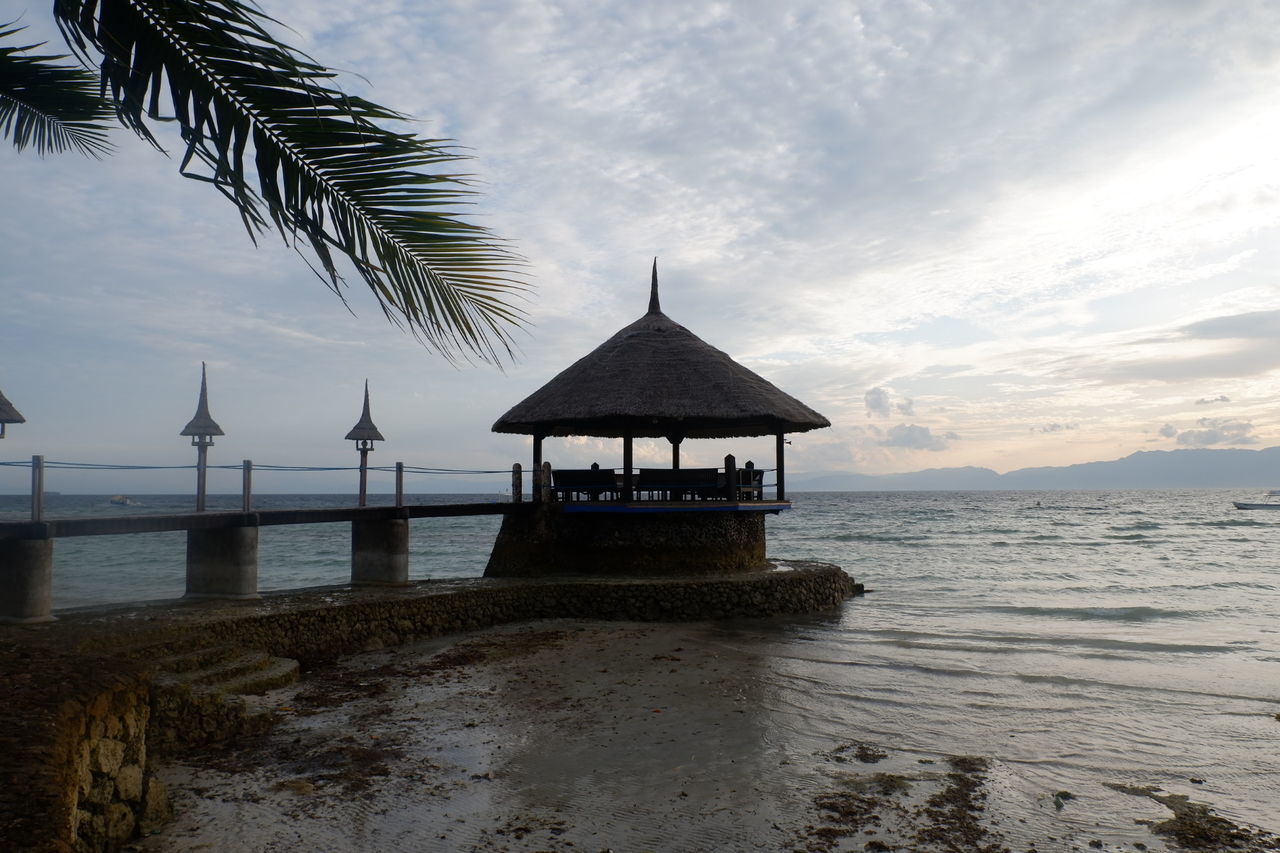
point(1146, 469)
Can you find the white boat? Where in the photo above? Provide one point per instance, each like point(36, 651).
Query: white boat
point(1273, 503)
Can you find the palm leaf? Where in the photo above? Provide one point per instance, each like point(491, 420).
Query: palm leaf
point(49, 106)
point(265, 124)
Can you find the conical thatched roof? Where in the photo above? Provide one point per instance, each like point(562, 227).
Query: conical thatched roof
point(365, 430)
point(203, 423)
point(8, 414)
point(655, 379)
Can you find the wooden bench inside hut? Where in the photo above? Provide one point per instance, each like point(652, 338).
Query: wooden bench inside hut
point(592, 483)
point(682, 484)
point(657, 484)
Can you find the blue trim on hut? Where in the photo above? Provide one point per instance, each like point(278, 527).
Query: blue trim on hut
point(686, 506)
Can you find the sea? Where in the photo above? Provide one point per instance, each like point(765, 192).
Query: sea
point(1078, 637)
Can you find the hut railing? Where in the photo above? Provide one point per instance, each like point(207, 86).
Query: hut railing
point(670, 485)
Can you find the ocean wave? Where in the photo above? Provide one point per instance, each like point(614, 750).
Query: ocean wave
point(897, 695)
point(1137, 613)
point(1231, 522)
point(1074, 681)
point(998, 642)
point(905, 538)
point(1094, 589)
point(1138, 525)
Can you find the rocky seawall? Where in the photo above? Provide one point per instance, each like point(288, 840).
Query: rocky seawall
point(94, 700)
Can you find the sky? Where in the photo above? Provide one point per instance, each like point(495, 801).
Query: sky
point(995, 233)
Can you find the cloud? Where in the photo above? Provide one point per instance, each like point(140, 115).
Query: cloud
point(877, 400)
point(1055, 427)
point(1230, 361)
point(1258, 325)
point(1230, 346)
point(880, 404)
point(1217, 431)
point(916, 438)
point(1169, 431)
point(1209, 401)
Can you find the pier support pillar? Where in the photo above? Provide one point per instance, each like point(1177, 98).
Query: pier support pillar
point(380, 552)
point(26, 581)
point(222, 563)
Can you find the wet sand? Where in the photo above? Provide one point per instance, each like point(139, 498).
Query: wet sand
point(592, 736)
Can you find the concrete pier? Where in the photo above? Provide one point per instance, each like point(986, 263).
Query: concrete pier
point(380, 552)
point(26, 581)
point(222, 563)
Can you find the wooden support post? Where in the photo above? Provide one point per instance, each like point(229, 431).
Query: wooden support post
point(628, 482)
point(544, 487)
point(399, 484)
point(537, 470)
point(37, 488)
point(246, 485)
point(517, 484)
point(730, 477)
point(364, 472)
point(781, 468)
point(202, 469)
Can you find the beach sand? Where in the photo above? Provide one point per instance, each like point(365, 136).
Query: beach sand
point(591, 736)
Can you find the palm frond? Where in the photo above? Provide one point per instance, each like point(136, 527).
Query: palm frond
point(49, 106)
point(266, 125)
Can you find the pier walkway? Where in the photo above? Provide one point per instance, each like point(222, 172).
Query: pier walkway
point(222, 548)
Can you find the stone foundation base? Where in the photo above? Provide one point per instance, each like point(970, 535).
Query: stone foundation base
point(550, 542)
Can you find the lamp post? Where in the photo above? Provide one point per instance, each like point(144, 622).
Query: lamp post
point(364, 434)
point(202, 428)
point(8, 414)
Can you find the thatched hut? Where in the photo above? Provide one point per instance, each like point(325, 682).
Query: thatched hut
point(657, 379)
point(8, 414)
point(653, 379)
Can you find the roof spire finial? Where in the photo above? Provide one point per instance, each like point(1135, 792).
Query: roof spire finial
point(654, 307)
point(203, 423)
point(365, 430)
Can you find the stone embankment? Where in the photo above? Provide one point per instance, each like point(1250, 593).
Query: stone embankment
point(94, 700)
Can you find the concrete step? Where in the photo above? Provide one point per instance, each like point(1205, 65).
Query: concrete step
point(198, 659)
point(204, 696)
point(277, 673)
point(226, 670)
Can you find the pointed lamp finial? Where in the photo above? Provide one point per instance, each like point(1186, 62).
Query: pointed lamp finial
point(203, 423)
point(654, 307)
point(8, 414)
point(365, 431)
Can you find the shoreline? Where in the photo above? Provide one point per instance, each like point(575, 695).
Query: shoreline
point(583, 735)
